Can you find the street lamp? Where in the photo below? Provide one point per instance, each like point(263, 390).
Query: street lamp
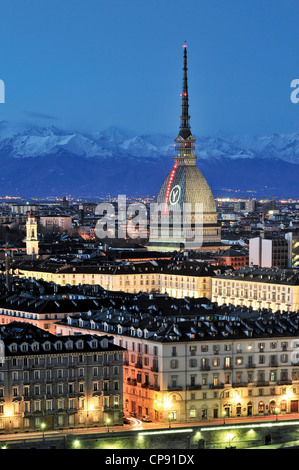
point(107, 423)
point(76, 444)
point(224, 414)
point(276, 411)
point(169, 418)
point(43, 425)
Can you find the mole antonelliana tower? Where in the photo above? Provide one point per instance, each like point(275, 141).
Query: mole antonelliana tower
point(31, 235)
point(186, 184)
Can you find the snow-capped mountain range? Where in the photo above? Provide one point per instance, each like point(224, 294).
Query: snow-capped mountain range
point(44, 161)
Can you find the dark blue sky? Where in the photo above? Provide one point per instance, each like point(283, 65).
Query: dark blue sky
point(92, 64)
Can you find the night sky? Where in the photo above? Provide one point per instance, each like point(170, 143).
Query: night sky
point(88, 65)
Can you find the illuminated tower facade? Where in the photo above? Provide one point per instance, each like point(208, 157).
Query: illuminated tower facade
point(31, 235)
point(185, 184)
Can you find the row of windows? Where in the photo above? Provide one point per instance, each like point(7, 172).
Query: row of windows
point(59, 373)
point(59, 388)
point(228, 362)
point(215, 349)
point(214, 380)
point(254, 286)
point(59, 360)
point(47, 346)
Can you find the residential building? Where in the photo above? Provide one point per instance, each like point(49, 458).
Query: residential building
point(259, 288)
point(202, 368)
point(64, 382)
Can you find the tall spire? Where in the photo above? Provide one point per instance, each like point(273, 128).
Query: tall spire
point(185, 118)
point(185, 142)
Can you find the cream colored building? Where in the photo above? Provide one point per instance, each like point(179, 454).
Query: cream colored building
point(258, 288)
point(178, 280)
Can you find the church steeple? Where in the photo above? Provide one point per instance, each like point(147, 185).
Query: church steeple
point(185, 142)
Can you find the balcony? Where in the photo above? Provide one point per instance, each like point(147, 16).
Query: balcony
point(250, 366)
point(216, 387)
point(204, 367)
point(132, 382)
point(145, 385)
point(194, 387)
point(155, 387)
point(155, 369)
point(262, 383)
point(284, 382)
point(240, 384)
point(174, 389)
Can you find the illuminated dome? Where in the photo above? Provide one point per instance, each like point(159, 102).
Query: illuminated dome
point(186, 183)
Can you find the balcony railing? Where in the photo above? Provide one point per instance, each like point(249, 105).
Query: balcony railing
point(284, 382)
point(262, 383)
point(217, 386)
point(132, 381)
point(194, 387)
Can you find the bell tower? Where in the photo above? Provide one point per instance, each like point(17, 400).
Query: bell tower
point(31, 235)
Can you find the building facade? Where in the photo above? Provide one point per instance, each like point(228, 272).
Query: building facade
point(206, 369)
point(258, 288)
point(190, 279)
point(268, 252)
point(62, 382)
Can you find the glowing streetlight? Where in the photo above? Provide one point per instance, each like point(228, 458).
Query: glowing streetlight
point(169, 418)
point(43, 426)
point(107, 423)
point(76, 444)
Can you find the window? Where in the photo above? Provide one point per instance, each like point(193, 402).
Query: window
point(227, 362)
point(15, 376)
point(95, 386)
point(261, 359)
point(49, 405)
point(284, 358)
point(37, 406)
point(36, 374)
